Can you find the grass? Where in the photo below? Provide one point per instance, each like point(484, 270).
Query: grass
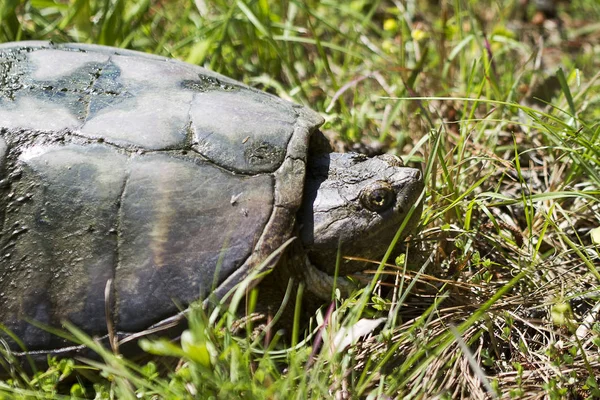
point(497, 295)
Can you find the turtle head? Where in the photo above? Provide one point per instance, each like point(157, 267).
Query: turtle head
point(356, 204)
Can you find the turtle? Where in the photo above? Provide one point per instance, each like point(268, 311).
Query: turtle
point(134, 185)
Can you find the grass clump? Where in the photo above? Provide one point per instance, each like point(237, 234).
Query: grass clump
point(497, 294)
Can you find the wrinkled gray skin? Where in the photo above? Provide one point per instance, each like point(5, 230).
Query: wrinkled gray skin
point(339, 213)
point(168, 180)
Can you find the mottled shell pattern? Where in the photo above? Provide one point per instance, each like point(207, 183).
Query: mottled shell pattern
point(167, 179)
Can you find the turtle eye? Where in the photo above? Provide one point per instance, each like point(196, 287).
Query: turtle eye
point(378, 196)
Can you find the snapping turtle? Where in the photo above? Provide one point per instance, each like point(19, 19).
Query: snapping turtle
point(170, 181)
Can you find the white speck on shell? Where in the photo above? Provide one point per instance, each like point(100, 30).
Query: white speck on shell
point(235, 198)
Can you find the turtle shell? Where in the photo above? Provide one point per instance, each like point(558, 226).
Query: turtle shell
point(166, 179)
